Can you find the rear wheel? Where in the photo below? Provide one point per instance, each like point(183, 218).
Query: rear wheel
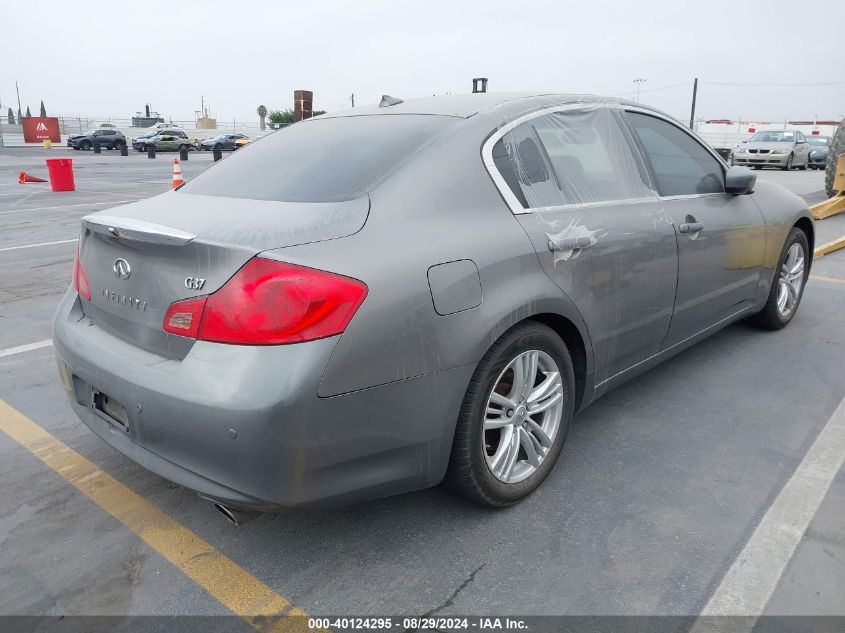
point(788, 284)
point(514, 418)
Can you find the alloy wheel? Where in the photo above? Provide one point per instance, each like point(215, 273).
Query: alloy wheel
point(790, 280)
point(522, 417)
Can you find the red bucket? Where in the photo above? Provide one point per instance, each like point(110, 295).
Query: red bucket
point(61, 174)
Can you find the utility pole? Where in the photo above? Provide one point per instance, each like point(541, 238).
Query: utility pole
point(19, 99)
point(353, 99)
point(638, 82)
point(692, 111)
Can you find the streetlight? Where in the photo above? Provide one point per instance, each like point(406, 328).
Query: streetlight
point(638, 82)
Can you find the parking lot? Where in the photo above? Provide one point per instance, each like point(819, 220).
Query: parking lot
point(660, 489)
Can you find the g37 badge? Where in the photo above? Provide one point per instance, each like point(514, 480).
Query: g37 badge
point(194, 283)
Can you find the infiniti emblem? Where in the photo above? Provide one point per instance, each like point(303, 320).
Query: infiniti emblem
point(121, 268)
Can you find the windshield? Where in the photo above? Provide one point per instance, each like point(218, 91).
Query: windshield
point(819, 141)
point(773, 137)
point(320, 160)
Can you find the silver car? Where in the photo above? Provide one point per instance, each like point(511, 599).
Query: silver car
point(784, 149)
point(371, 301)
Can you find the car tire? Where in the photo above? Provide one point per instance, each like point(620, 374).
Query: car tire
point(183, 146)
point(788, 166)
point(219, 146)
point(471, 464)
point(85, 145)
point(772, 316)
point(837, 148)
point(76, 148)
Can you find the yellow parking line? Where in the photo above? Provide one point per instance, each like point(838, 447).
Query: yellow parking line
point(225, 580)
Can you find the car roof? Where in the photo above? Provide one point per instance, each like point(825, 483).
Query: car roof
point(467, 105)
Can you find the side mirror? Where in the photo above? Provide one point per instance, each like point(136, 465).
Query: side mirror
point(739, 180)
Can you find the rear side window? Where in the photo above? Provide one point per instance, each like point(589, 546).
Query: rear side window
point(320, 160)
point(571, 157)
point(681, 165)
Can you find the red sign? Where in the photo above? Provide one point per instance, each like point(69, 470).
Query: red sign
point(37, 129)
point(751, 130)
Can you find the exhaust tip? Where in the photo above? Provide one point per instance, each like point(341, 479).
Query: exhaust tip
point(235, 517)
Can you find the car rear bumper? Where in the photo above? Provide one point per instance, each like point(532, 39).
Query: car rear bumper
point(244, 426)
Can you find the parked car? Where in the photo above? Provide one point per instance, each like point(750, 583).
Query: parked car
point(774, 148)
point(224, 142)
point(106, 137)
point(361, 305)
point(819, 146)
point(172, 139)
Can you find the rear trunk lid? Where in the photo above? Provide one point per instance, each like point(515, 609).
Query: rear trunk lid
point(142, 257)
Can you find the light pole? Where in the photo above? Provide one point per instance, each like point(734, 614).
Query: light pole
point(639, 82)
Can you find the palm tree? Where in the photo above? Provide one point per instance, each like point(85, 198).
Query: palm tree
point(262, 114)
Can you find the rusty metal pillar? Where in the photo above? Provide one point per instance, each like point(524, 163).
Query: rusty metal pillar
point(302, 100)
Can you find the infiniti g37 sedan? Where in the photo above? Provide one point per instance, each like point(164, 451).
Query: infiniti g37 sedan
point(367, 303)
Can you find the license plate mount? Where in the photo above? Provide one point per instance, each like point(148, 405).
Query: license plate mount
point(110, 409)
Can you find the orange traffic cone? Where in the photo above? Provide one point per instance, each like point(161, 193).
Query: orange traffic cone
point(177, 174)
point(25, 177)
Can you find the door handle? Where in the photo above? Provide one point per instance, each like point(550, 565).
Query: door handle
point(570, 243)
point(691, 227)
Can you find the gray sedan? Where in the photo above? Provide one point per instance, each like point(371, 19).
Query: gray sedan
point(358, 306)
point(784, 149)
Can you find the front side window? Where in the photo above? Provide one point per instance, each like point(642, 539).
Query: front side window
point(570, 157)
point(680, 164)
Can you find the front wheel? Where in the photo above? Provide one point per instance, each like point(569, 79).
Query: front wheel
point(85, 145)
point(514, 418)
point(788, 284)
point(788, 166)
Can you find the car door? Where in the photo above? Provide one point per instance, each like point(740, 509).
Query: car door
point(573, 181)
point(721, 237)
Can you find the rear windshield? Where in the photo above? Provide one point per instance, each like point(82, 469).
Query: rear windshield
point(321, 160)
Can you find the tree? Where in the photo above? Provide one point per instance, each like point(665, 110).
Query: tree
point(28, 113)
point(262, 114)
point(11, 117)
point(43, 109)
point(280, 118)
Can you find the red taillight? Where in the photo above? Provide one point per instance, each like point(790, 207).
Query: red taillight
point(80, 278)
point(270, 303)
point(183, 317)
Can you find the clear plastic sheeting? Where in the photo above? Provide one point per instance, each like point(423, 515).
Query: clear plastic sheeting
point(578, 155)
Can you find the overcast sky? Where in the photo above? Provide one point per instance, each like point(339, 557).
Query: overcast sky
point(101, 59)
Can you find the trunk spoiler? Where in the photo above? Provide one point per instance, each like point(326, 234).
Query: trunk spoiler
point(136, 230)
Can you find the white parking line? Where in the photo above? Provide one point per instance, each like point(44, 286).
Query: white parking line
point(14, 248)
point(25, 348)
point(749, 583)
point(67, 206)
